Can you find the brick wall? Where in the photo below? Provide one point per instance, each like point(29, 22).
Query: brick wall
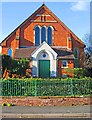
point(46, 101)
point(62, 71)
point(25, 32)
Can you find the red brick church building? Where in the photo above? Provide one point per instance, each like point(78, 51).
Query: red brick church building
point(49, 44)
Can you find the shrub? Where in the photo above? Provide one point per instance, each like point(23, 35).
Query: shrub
point(3, 104)
point(17, 67)
point(46, 87)
point(79, 72)
point(88, 72)
point(9, 104)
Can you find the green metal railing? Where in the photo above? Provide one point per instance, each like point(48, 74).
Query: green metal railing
point(45, 87)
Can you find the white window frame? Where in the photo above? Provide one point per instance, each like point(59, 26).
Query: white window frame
point(66, 63)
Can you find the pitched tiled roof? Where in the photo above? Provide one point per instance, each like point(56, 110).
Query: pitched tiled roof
point(64, 53)
point(26, 53)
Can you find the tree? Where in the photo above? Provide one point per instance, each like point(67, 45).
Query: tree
point(87, 40)
point(6, 62)
point(12, 66)
point(88, 55)
point(88, 61)
point(22, 65)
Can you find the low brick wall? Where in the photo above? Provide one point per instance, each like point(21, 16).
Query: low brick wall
point(46, 101)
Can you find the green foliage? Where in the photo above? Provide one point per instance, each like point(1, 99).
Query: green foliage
point(88, 72)
point(3, 104)
point(46, 87)
point(21, 67)
point(14, 66)
point(45, 79)
point(79, 72)
point(82, 72)
point(17, 67)
point(7, 104)
point(6, 62)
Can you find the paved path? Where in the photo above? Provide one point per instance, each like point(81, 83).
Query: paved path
point(46, 110)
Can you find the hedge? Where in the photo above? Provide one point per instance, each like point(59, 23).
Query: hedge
point(46, 87)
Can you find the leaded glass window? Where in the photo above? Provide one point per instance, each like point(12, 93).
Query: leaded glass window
point(37, 35)
point(49, 35)
point(43, 34)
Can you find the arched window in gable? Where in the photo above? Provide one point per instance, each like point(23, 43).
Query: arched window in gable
point(10, 52)
point(43, 34)
point(49, 32)
point(37, 35)
point(76, 53)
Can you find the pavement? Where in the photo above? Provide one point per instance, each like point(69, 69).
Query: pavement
point(45, 118)
point(47, 112)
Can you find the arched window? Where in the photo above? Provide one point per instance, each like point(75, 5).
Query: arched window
point(49, 35)
point(76, 55)
point(43, 34)
point(10, 52)
point(37, 35)
point(64, 64)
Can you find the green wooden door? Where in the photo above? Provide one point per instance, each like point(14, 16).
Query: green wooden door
point(44, 68)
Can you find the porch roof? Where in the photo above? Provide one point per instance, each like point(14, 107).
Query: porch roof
point(26, 53)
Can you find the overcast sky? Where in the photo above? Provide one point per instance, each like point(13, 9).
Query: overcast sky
point(76, 15)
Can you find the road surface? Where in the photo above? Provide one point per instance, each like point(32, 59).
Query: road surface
point(46, 119)
point(47, 112)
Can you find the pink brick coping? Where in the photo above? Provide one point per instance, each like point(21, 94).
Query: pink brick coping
point(47, 101)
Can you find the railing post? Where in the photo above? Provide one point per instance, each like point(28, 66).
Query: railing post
point(35, 85)
point(72, 87)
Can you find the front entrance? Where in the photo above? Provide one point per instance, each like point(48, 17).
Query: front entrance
point(44, 68)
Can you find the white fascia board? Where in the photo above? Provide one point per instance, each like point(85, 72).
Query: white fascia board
point(44, 46)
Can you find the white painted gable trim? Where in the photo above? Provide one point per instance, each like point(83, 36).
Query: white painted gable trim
point(44, 46)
